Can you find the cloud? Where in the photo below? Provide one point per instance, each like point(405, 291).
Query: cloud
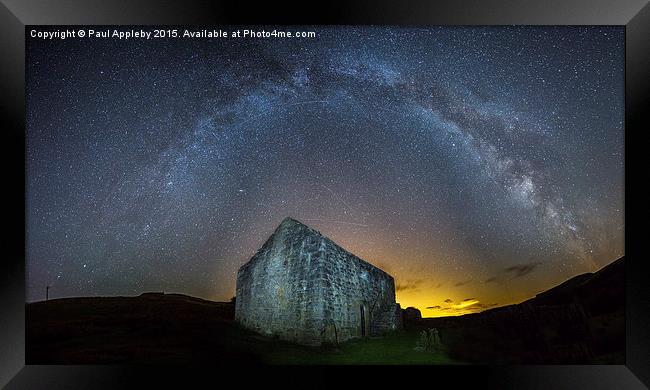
point(462, 283)
point(520, 270)
point(466, 306)
point(490, 280)
point(478, 307)
point(410, 284)
point(465, 303)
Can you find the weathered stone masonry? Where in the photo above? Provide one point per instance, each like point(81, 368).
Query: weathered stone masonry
point(303, 287)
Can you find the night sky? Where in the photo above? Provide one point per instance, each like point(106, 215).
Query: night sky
point(477, 165)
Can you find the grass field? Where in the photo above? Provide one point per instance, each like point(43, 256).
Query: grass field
point(396, 348)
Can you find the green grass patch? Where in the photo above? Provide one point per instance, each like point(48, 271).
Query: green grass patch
point(392, 349)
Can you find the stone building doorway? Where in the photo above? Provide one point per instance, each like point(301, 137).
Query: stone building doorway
point(362, 309)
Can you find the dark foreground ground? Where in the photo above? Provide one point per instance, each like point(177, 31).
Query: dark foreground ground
point(172, 328)
point(580, 321)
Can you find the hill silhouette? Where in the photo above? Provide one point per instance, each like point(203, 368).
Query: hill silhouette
point(581, 320)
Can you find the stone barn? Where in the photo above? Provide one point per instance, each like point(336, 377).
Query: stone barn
point(301, 286)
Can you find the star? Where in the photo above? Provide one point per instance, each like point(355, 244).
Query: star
point(440, 154)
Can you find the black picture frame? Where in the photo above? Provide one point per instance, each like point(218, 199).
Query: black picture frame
point(16, 14)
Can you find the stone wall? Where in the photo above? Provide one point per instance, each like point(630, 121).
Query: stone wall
point(277, 289)
point(303, 287)
point(350, 284)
